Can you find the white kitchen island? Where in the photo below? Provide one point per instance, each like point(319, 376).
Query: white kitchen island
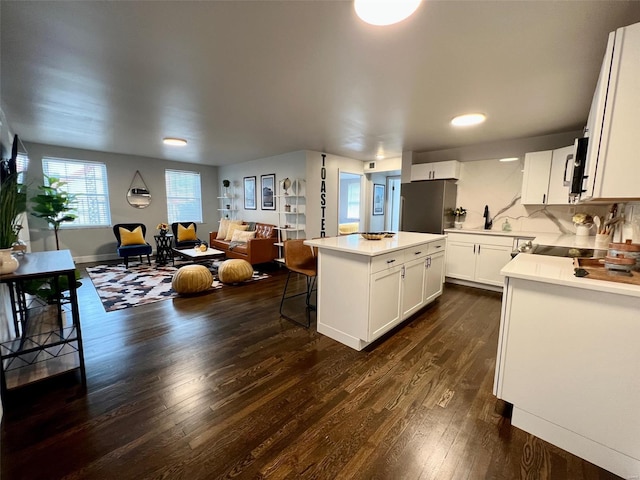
point(367, 287)
point(569, 360)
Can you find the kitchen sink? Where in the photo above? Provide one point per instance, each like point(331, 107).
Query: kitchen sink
point(572, 252)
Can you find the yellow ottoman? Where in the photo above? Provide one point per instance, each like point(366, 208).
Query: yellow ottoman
point(235, 270)
point(192, 279)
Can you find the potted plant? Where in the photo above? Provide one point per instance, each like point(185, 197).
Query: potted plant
point(226, 184)
point(459, 215)
point(13, 202)
point(54, 205)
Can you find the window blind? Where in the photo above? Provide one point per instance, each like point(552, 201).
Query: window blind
point(88, 182)
point(184, 200)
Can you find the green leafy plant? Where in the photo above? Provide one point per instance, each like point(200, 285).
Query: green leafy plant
point(226, 183)
point(46, 289)
point(54, 204)
point(13, 202)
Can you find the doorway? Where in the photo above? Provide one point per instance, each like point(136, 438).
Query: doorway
point(392, 223)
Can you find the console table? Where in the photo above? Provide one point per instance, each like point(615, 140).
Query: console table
point(164, 252)
point(39, 349)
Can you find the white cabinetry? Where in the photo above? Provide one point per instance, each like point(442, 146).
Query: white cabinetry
point(557, 369)
point(227, 203)
point(435, 171)
point(560, 176)
point(612, 169)
point(547, 177)
point(291, 214)
point(361, 297)
point(477, 258)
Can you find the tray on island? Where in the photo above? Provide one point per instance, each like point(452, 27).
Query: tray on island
point(597, 271)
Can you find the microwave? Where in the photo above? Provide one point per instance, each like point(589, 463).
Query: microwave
point(579, 168)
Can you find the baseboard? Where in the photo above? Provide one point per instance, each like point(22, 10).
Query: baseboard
point(467, 283)
point(96, 258)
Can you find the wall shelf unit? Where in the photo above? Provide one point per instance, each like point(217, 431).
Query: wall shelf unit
point(291, 206)
point(228, 208)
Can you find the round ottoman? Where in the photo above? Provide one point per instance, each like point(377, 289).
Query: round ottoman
point(192, 279)
point(234, 271)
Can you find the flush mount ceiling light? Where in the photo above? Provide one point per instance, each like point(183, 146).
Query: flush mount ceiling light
point(175, 142)
point(379, 156)
point(468, 119)
point(509, 159)
point(385, 12)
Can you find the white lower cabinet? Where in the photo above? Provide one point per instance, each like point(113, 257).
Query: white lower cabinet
point(360, 298)
point(477, 258)
point(386, 291)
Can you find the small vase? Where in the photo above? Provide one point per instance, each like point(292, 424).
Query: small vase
point(458, 221)
point(8, 263)
point(163, 233)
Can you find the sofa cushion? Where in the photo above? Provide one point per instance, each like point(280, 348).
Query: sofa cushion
point(232, 228)
point(264, 230)
point(224, 227)
point(242, 236)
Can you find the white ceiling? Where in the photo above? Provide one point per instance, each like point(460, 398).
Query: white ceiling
point(242, 80)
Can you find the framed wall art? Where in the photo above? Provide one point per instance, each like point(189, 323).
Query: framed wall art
point(250, 193)
point(268, 186)
point(378, 199)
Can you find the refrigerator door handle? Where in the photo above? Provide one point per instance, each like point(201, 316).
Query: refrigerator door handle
point(401, 213)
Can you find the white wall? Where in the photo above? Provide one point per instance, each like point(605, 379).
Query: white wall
point(289, 165)
point(494, 183)
point(322, 191)
point(96, 244)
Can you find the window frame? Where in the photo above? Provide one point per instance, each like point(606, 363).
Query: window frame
point(103, 219)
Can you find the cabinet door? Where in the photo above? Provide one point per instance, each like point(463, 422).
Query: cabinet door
point(560, 176)
point(445, 170)
point(461, 260)
point(490, 260)
point(535, 181)
point(421, 171)
point(384, 301)
point(413, 287)
point(433, 277)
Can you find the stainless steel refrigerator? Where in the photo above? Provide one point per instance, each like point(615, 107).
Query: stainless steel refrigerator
point(426, 206)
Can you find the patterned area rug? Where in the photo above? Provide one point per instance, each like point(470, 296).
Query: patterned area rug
point(120, 287)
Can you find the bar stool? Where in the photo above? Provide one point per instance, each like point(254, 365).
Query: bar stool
point(301, 259)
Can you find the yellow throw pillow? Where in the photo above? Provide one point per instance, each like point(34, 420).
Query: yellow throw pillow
point(242, 236)
point(131, 237)
point(186, 234)
point(232, 228)
point(224, 227)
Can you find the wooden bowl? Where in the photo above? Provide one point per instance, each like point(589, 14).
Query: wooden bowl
point(373, 235)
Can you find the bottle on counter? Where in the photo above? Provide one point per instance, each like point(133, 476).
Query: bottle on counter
point(506, 226)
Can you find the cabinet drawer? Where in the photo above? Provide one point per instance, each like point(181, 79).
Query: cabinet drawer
point(388, 260)
point(418, 251)
point(435, 247)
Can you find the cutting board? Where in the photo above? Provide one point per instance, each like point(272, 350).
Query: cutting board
point(597, 271)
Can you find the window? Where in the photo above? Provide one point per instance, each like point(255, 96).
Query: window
point(22, 163)
point(184, 202)
point(350, 197)
point(88, 182)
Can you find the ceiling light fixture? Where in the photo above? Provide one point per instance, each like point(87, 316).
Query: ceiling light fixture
point(379, 156)
point(468, 119)
point(175, 142)
point(509, 159)
point(385, 12)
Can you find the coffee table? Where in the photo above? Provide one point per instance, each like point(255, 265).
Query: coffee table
point(196, 256)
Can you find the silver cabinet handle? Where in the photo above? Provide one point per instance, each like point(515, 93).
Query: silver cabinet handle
point(479, 249)
point(474, 248)
point(402, 271)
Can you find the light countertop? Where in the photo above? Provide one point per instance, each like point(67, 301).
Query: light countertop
point(560, 271)
point(360, 246)
point(498, 233)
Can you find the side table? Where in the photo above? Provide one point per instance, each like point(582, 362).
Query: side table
point(164, 254)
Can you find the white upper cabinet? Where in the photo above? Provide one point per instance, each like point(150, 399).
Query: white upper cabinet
point(560, 176)
point(613, 167)
point(547, 177)
point(435, 171)
point(535, 181)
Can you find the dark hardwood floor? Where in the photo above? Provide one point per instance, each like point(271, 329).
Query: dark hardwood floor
point(219, 386)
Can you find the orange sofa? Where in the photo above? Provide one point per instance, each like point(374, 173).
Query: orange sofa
point(261, 249)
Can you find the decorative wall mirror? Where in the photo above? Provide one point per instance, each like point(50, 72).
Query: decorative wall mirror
point(138, 194)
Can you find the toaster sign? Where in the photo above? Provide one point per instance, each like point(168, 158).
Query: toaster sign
point(323, 197)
